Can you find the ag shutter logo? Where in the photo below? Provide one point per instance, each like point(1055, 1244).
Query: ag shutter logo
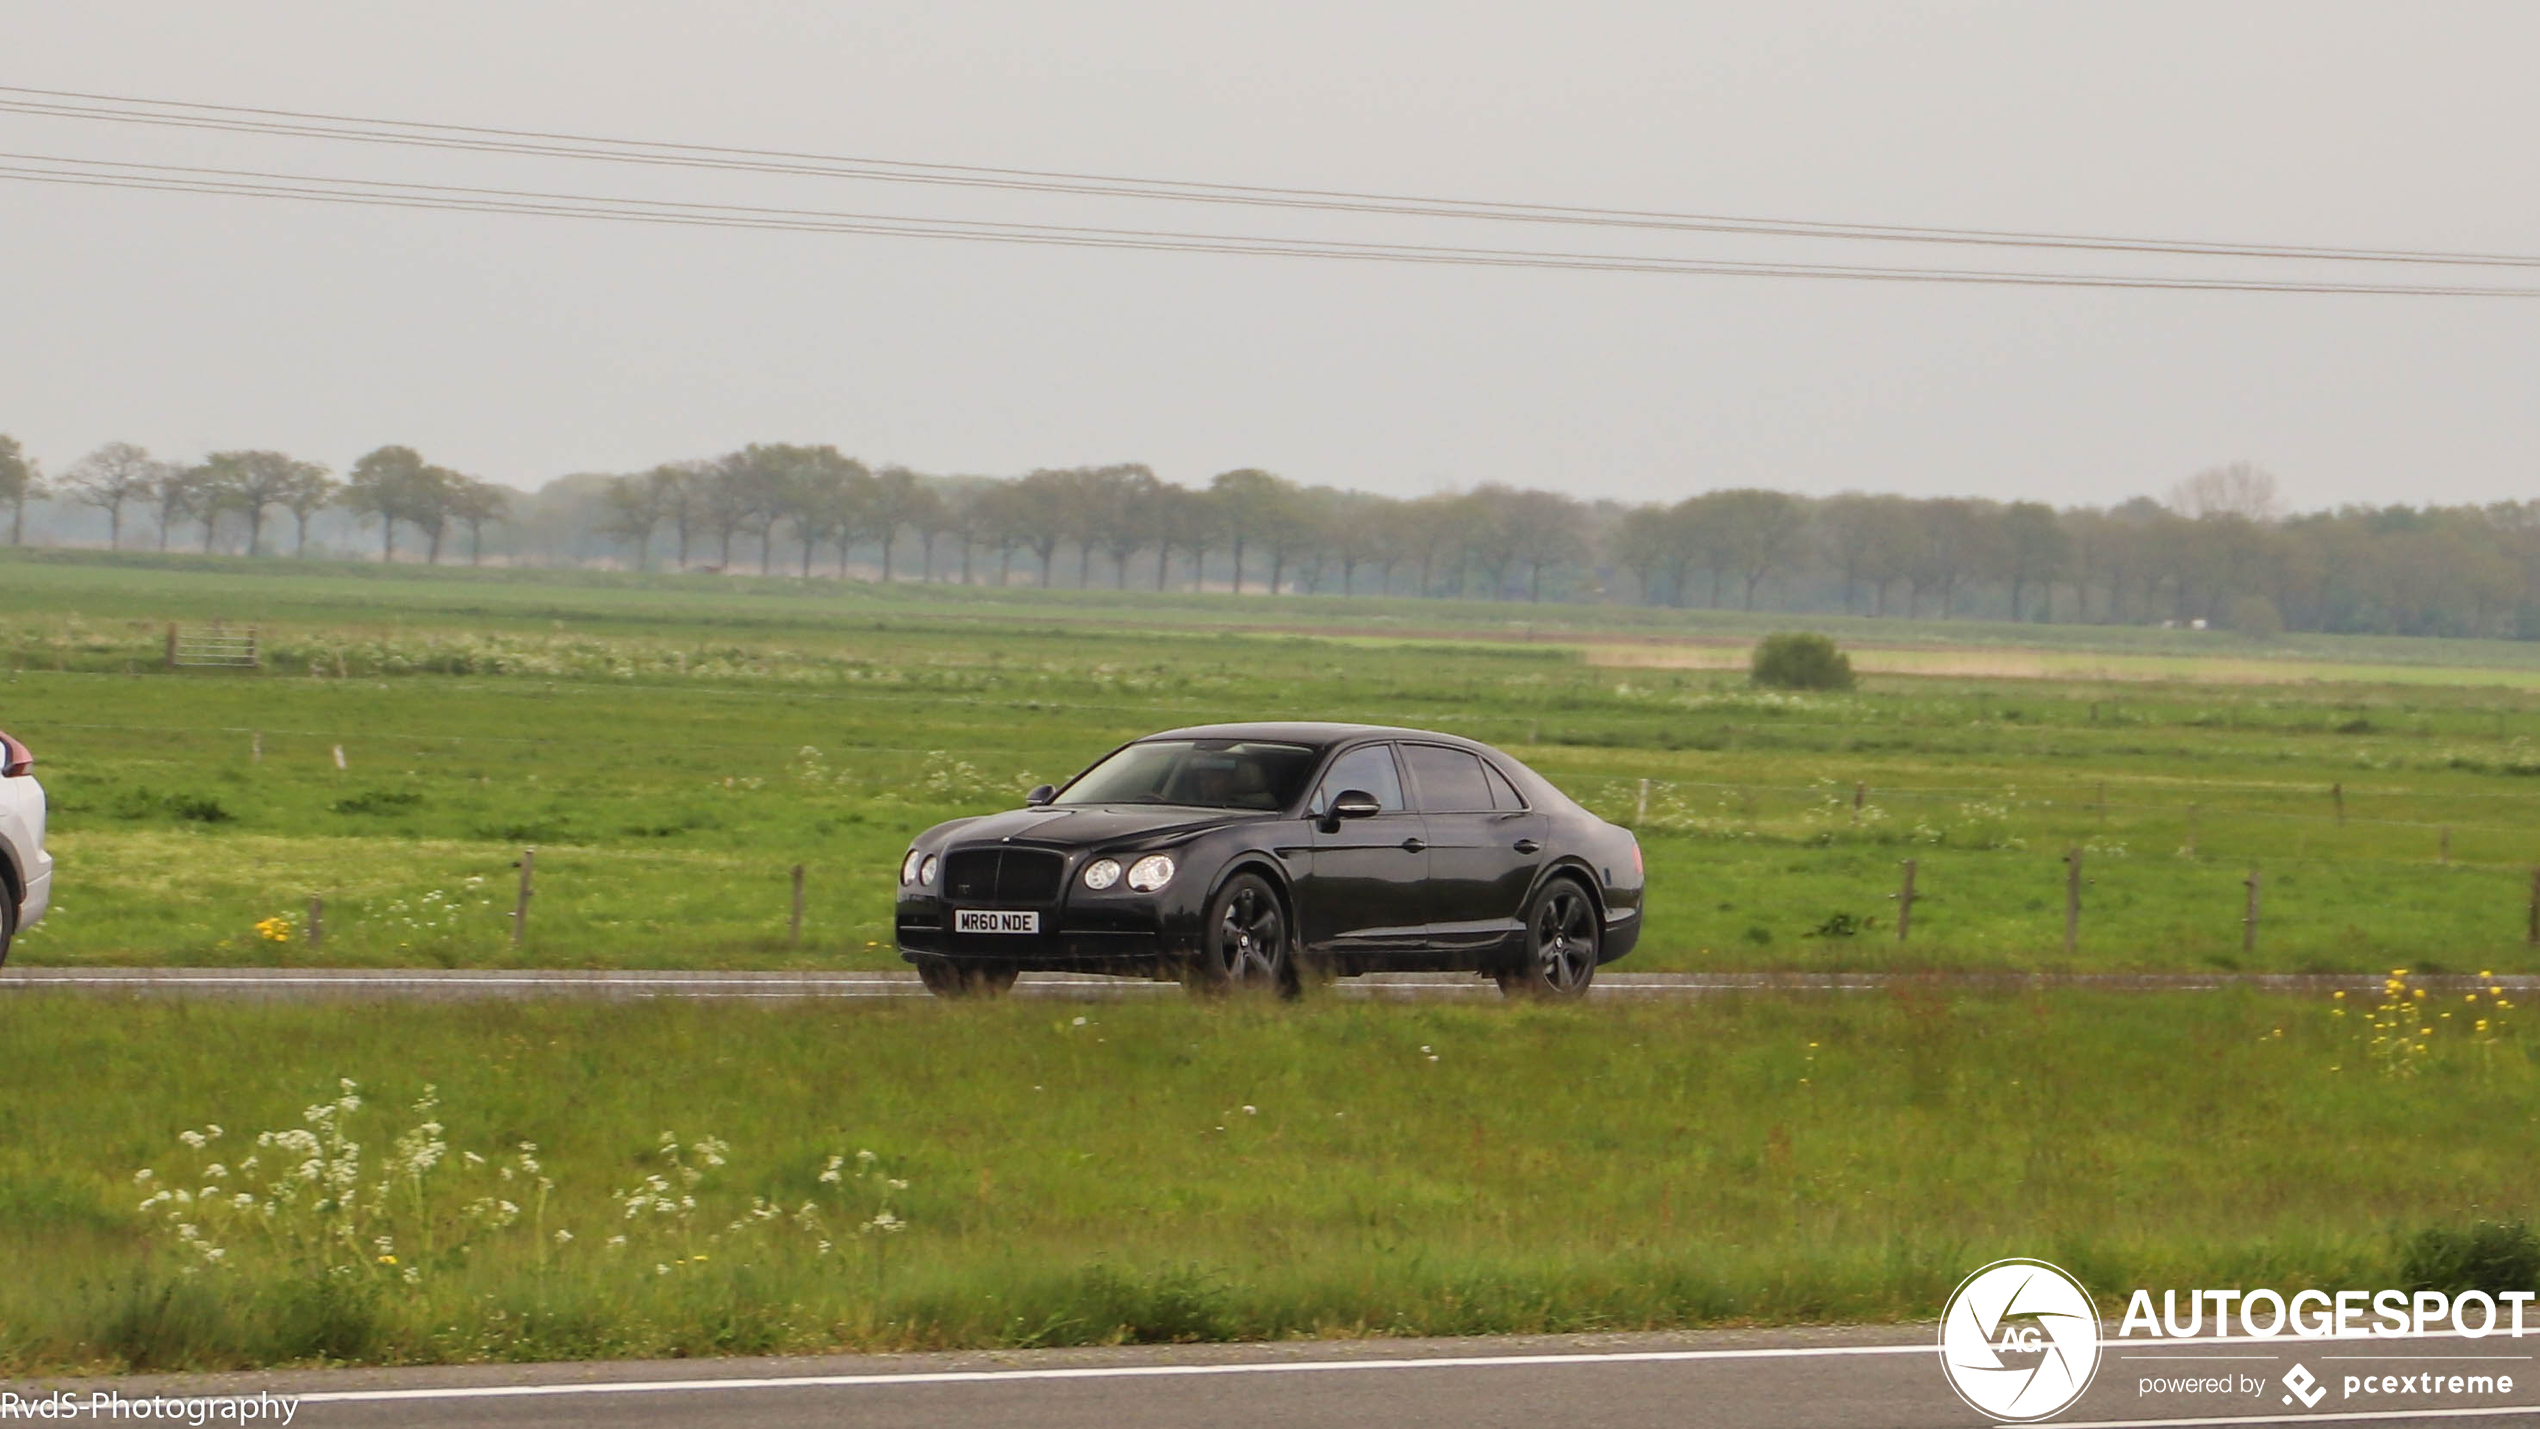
point(2020, 1340)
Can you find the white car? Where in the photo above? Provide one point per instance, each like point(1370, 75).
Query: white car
point(24, 865)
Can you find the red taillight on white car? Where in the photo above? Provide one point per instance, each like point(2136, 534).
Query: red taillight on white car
point(16, 759)
point(1636, 868)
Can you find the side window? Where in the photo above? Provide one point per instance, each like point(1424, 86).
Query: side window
point(1503, 795)
point(1370, 769)
point(1449, 781)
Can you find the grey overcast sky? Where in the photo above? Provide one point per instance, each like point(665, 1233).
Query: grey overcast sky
point(522, 348)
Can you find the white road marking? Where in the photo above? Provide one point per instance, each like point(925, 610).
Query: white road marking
point(2353, 1416)
point(1152, 1371)
point(1173, 1371)
point(1520, 1361)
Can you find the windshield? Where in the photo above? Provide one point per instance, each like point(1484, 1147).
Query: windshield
point(1200, 773)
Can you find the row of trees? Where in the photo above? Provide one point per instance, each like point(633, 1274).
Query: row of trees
point(1269, 531)
point(2219, 550)
point(392, 486)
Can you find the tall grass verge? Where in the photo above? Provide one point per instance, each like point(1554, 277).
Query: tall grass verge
point(684, 1179)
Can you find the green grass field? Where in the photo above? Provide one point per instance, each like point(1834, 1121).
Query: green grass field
point(1163, 1171)
point(672, 746)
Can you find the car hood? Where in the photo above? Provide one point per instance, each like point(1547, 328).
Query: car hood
point(1093, 825)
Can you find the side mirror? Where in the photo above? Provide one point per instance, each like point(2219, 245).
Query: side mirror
point(1355, 804)
point(1041, 794)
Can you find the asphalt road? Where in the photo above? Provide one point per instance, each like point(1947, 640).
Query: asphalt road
point(464, 984)
point(1883, 1378)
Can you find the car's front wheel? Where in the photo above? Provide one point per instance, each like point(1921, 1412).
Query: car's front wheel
point(950, 979)
point(1561, 944)
point(1245, 946)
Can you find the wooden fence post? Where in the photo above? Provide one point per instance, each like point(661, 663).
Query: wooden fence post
point(2338, 793)
point(171, 644)
point(317, 921)
point(256, 747)
point(1905, 903)
point(520, 910)
point(2072, 901)
point(1640, 810)
point(2249, 920)
point(2447, 843)
point(1859, 791)
point(794, 932)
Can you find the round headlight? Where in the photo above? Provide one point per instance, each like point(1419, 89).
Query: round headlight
point(926, 871)
point(908, 866)
point(1102, 873)
point(1151, 873)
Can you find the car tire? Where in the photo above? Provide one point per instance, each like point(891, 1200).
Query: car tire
point(1563, 938)
point(950, 979)
point(8, 922)
point(1245, 946)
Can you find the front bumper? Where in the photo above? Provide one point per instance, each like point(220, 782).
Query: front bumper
point(39, 892)
point(1070, 940)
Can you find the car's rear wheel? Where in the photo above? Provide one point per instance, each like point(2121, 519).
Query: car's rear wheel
point(1245, 946)
point(8, 921)
point(950, 979)
point(1562, 936)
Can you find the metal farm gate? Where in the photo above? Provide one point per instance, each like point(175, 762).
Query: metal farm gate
point(215, 645)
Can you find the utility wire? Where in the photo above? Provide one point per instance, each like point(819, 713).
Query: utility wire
point(382, 194)
point(72, 104)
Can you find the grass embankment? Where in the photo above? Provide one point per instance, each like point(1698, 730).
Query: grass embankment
point(1168, 1172)
point(672, 746)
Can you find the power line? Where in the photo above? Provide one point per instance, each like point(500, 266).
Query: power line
point(184, 114)
point(265, 184)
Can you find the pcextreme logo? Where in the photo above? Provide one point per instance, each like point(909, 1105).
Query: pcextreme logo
point(2020, 1340)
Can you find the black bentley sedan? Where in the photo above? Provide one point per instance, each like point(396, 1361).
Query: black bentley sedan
point(1258, 855)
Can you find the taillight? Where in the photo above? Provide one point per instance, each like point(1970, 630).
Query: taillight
point(15, 758)
point(1636, 868)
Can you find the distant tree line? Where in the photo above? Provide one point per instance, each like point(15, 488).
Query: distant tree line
point(2219, 551)
point(242, 492)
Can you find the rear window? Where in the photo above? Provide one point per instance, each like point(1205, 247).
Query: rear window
point(1448, 781)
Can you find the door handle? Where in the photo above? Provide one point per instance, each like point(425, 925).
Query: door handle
point(1528, 846)
point(1414, 846)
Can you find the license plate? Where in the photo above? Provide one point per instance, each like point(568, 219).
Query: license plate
point(996, 920)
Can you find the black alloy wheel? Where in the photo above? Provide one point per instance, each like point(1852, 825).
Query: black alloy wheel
point(1245, 944)
point(950, 979)
point(1561, 945)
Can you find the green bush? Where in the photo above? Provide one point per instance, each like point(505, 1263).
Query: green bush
point(1801, 660)
point(2493, 1256)
point(2256, 617)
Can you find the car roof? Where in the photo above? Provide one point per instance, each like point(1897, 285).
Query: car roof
point(1319, 734)
point(1324, 735)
